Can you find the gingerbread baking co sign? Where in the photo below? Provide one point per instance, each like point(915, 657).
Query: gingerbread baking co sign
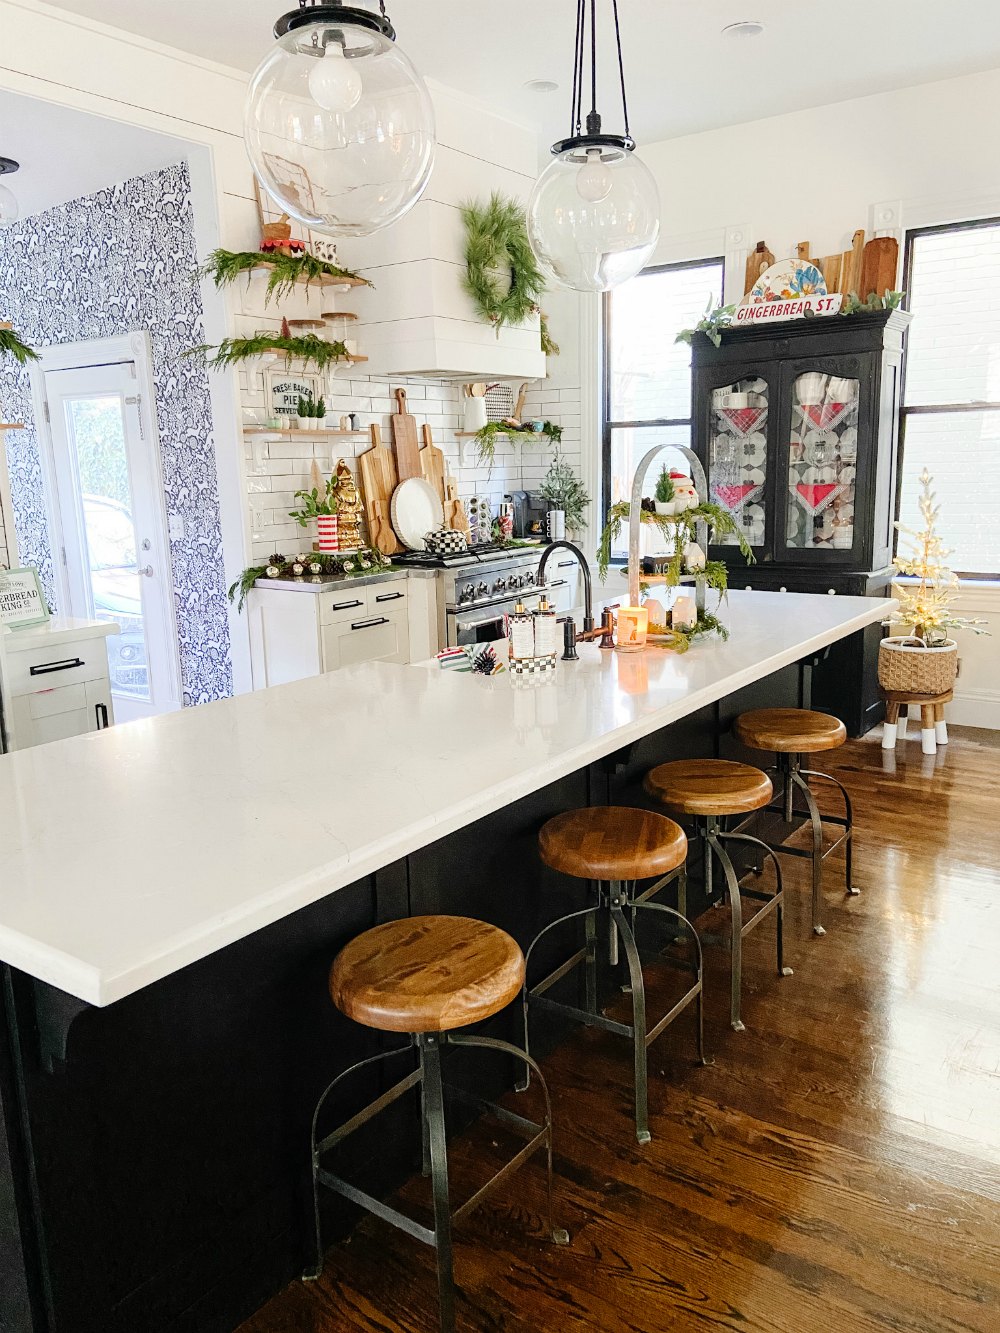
point(793, 289)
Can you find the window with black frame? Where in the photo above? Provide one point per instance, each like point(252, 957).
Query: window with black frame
point(647, 373)
point(951, 389)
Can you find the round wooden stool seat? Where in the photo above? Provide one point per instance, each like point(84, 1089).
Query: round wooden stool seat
point(709, 787)
point(790, 730)
point(427, 974)
point(612, 843)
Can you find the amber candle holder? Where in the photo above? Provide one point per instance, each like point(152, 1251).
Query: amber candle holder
point(633, 621)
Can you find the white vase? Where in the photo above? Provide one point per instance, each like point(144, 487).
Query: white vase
point(475, 414)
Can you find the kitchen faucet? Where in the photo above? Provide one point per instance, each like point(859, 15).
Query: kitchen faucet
point(571, 637)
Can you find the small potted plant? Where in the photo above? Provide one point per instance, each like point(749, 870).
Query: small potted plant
point(664, 494)
point(304, 412)
point(565, 491)
point(925, 661)
point(320, 504)
point(320, 414)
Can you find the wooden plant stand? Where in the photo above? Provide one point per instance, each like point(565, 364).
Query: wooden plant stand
point(933, 728)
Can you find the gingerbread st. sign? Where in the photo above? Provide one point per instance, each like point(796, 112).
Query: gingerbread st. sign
point(791, 289)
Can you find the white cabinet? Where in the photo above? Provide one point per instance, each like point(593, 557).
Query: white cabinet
point(55, 681)
point(300, 630)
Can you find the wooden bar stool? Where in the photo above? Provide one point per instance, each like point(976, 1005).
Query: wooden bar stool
point(616, 846)
point(427, 976)
point(792, 733)
point(709, 790)
point(933, 728)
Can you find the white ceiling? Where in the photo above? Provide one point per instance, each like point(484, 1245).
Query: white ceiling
point(683, 75)
point(66, 154)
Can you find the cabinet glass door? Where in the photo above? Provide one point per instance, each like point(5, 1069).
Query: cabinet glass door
point(737, 455)
point(822, 463)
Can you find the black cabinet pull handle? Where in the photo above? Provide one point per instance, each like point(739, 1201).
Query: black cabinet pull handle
point(46, 668)
point(389, 597)
point(101, 711)
point(565, 564)
point(345, 606)
point(370, 624)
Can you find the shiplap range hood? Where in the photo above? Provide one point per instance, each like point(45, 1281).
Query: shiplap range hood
point(417, 319)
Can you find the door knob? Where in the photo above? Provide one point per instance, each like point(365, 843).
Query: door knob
point(147, 570)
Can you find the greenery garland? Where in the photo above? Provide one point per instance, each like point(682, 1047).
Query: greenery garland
point(715, 321)
point(226, 267)
point(307, 348)
point(11, 343)
point(681, 528)
point(486, 437)
point(310, 564)
point(496, 238)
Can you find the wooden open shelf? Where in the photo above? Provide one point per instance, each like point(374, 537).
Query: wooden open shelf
point(325, 281)
point(11, 425)
point(294, 430)
point(336, 314)
point(306, 323)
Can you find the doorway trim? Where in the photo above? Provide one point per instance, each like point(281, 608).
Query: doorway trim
point(134, 347)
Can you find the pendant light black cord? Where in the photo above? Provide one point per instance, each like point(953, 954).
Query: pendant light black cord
point(593, 57)
point(575, 110)
point(621, 68)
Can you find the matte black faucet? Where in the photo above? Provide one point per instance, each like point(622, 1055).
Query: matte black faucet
point(588, 594)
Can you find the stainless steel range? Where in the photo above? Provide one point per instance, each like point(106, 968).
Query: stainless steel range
point(478, 587)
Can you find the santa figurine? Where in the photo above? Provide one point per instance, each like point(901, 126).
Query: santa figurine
point(685, 495)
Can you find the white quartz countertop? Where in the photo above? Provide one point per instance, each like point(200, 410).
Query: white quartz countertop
point(57, 629)
point(128, 853)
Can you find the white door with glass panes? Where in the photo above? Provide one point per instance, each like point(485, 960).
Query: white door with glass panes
point(110, 541)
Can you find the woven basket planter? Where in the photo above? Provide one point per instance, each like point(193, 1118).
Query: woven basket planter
point(908, 666)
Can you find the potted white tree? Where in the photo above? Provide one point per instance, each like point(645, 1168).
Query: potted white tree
point(925, 661)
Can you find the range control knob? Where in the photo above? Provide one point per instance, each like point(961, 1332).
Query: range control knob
point(515, 581)
point(483, 590)
point(468, 593)
point(529, 579)
point(500, 586)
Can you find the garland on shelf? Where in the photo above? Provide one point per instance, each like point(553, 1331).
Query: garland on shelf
point(226, 267)
point(12, 344)
point(497, 239)
point(680, 528)
point(486, 438)
point(716, 320)
point(352, 564)
point(307, 348)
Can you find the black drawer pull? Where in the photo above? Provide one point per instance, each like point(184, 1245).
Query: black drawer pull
point(389, 597)
point(46, 668)
point(101, 711)
point(345, 606)
point(564, 564)
point(370, 624)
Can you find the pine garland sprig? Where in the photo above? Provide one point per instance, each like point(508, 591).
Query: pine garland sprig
point(486, 437)
point(225, 267)
point(13, 346)
point(308, 348)
point(679, 529)
point(355, 564)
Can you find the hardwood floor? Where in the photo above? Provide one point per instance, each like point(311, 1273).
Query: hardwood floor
point(837, 1169)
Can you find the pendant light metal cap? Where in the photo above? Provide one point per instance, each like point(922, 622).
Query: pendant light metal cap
point(309, 14)
point(612, 146)
point(8, 166)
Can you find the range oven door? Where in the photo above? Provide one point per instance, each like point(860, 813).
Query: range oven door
point(476, 625)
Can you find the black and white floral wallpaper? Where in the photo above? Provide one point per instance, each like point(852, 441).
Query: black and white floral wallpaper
point(118, 261)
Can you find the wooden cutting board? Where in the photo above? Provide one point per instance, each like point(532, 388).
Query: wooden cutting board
point(378, 480)
point(432, 464)
point(851, 265)
point(455, 516)
point(404, 435)
point(879, 265)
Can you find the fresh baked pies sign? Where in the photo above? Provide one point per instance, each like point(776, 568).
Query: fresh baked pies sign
point(791, 289)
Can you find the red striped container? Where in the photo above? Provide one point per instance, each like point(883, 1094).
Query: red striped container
point(328, 540)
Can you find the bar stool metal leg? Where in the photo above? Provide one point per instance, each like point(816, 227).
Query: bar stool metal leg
point(817, 849)
point(736, 913)
point(430, 1065)
point(638, 988)
point(848, 837)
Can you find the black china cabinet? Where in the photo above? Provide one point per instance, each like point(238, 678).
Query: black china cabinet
point(797, 425)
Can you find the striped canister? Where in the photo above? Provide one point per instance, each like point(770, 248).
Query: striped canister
point(327, 524)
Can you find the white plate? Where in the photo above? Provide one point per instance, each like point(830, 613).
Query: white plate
point(415, 510)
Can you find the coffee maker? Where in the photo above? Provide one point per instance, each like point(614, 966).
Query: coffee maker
point(530, 510)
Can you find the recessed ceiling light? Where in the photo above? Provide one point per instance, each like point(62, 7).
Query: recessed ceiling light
point(541, 86)
point(745, 28)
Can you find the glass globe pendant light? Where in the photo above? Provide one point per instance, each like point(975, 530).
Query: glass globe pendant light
point(594, 213)
point(339, 125)
point(9, 210)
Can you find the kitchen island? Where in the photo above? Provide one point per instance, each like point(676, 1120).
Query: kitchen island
point(172, 894)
